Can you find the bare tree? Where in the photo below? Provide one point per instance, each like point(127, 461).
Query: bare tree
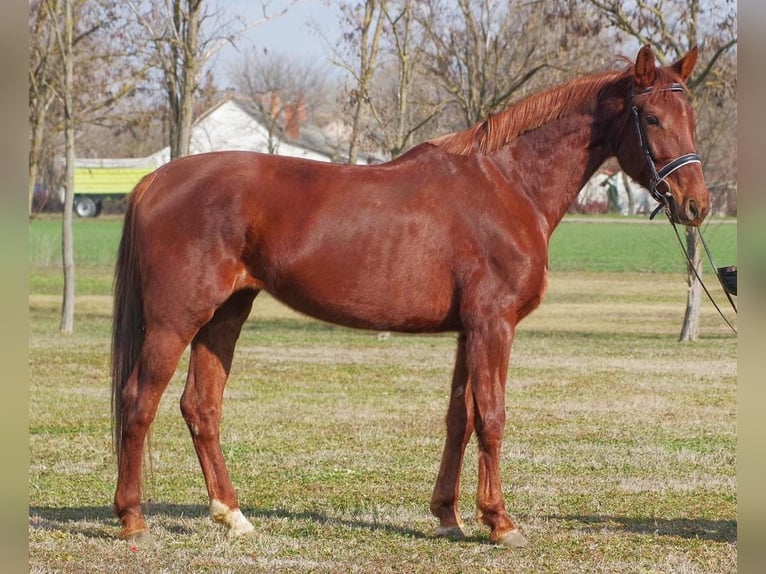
point(173, 30)
point(184, 35)
point(182, 67)
point(108, 74)
point(41, 73)
point(67, 308)
point(61, 20)
point(481, 52)
point(52, 78)
point(715, 101)
point(408, 61)
point(673, 27)
point(398, 99)
point(364, 24)
point(61, 102)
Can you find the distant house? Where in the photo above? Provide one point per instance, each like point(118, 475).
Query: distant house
point(231, 126)
point(227, 126)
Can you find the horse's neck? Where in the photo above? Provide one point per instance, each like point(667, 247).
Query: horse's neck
point(554, 162)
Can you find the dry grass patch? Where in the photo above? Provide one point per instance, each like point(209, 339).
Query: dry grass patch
point(619, 453)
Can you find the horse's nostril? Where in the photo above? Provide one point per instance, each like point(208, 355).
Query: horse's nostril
point(692, 210)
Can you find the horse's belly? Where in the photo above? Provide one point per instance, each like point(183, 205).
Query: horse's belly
point(370, 300)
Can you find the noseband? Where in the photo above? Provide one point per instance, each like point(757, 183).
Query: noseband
point(658, 177)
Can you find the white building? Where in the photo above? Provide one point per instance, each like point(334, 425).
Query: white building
point(230, 126)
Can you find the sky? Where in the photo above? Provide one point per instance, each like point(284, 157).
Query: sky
point(293, 33)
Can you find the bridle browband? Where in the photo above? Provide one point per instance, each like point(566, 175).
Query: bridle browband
point(658, 177)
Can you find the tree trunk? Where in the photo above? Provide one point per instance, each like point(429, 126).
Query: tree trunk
point(691, 326)
point(353, 145)
point(31, 181)
point(38, 129)
point(402, 134)
point(368, 55)
point(190, 77)
point(67, 237)
point(175, 115)
point(182, 73)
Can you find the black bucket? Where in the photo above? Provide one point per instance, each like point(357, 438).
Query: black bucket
point(728, 278)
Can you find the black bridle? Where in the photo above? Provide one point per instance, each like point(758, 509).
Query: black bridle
point(665, 199)
point(658, 177)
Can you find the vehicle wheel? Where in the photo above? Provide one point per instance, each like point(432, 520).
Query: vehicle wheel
point(85, 207)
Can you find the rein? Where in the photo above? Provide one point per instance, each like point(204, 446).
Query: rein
point(664, 199)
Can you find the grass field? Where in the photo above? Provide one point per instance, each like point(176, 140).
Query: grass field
point(619, 454)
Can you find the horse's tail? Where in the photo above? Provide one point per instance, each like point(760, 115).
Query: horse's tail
point(128, 312)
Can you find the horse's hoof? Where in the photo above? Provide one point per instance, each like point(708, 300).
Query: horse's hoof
point(231, 517)
point(512, 539)
point(241, 528)
point(452, 532)
point(135, 535)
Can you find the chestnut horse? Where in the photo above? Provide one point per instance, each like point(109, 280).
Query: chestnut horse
point(451, 236)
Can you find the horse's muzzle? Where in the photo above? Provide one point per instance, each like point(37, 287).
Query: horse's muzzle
point(690, 211)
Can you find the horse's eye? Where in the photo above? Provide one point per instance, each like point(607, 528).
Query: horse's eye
point(652, 121)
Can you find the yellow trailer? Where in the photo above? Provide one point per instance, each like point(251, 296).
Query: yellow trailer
point(95, 183)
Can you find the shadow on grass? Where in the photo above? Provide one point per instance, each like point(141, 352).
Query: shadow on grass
point(90, 521)
point(100, 521)
point(322, 518)
point(713, 530)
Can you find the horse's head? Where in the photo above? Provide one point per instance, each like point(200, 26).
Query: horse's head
point(657, 146)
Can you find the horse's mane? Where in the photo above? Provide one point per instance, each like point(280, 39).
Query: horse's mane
point(529, 114)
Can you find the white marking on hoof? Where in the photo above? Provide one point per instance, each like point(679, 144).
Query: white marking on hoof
point(233, 518)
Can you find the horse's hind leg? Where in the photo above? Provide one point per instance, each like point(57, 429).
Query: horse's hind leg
point(212, 351)
point(140, 397)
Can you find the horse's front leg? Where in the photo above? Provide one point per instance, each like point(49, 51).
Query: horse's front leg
point(444, 502)
point(488, 347)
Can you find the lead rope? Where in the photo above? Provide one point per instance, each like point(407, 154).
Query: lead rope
point(694, 269)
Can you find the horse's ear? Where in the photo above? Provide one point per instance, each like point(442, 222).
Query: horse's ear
point(644, 71)
point(685, 65)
